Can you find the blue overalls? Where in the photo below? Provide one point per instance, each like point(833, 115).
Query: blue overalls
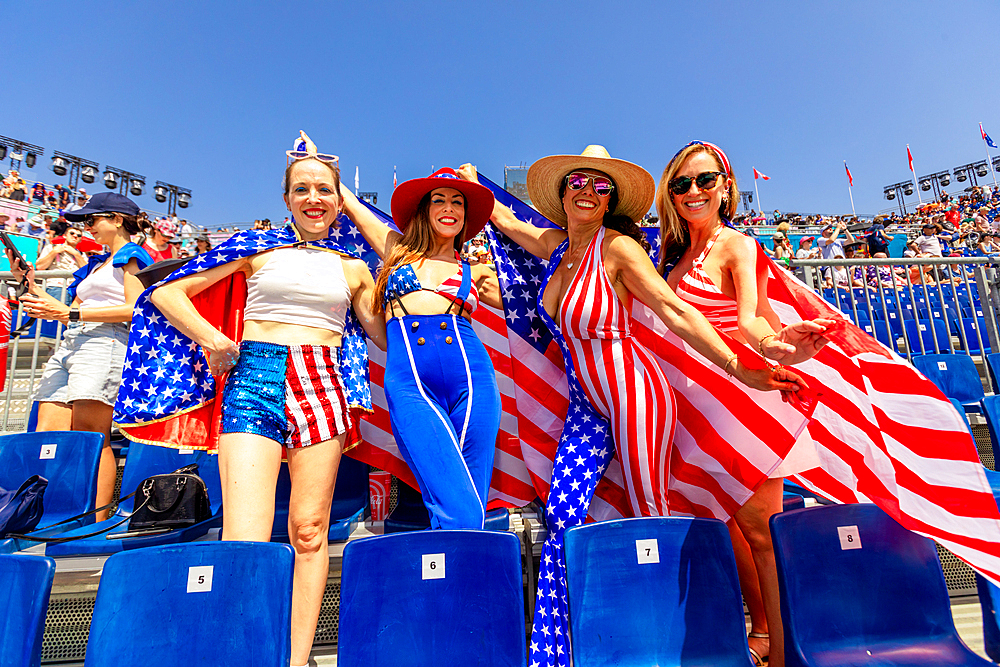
point(444, 406)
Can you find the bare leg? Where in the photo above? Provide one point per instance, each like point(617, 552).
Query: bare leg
point(248, 467)
point(313, 471)
point(752, 520)
point(750, 587)
point(96, 416)
point(55, 417)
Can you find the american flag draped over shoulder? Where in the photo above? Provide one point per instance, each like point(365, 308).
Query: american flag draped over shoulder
point(884, 433)
point(167, 395)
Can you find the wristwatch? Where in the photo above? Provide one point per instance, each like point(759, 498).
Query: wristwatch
point(74, 314)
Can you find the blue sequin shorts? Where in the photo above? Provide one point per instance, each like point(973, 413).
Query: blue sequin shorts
point(292, 394)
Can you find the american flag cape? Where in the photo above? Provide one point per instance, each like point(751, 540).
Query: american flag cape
point(167, 396)
point(884, 433)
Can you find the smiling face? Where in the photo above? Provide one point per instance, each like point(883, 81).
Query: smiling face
point(446, 212)
point(312, 198)
point(700, 207)
point(583, 206)
point(104, 227)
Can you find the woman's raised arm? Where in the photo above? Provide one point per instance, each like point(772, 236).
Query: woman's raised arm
point(378, 235)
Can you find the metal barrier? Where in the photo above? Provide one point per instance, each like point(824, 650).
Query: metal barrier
point(21, 381)
point(954, 298)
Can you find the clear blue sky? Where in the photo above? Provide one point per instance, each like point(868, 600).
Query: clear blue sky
point(208, 95)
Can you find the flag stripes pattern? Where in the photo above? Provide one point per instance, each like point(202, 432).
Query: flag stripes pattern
point(315, 403)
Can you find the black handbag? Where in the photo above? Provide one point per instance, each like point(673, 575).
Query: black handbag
point(175, 500)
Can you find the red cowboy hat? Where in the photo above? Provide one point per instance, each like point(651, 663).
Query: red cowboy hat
point(478, 199)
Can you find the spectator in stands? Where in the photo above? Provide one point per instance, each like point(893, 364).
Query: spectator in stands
point(782, 246)
point(929, 242)
point(60, 257)
point(158, 244)
point(81, 201)
point(38, 193)
point(64, 195)
point(988, 244)
point(829, 244)
point(289, 315)
point(203, 244)
point(14, 186)
point(36, 225)
point(80, 381)
point(878, 240)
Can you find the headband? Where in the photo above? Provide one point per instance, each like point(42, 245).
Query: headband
point(715, 149)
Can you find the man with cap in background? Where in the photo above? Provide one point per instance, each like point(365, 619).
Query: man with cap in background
point(830, 245)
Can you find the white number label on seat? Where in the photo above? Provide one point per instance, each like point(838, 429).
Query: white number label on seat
point(646, 551)
point(200, 578)
point(942, 365)
point(185, 451)
point(433, 566)
point(849, 537)
point(48, 452)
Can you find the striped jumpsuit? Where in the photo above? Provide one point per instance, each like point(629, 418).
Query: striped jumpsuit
point(620, 402)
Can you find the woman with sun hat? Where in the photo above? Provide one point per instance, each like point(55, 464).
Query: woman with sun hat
point(620, 400)
point(441, 388)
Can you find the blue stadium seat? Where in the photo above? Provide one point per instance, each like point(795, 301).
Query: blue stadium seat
point(26, 582)
point(858, 589)
point(926, 330)
point(973, 329)
point(882, 332)
point(955, 375)
point(145, 461)
point(442, 597)
point(993, 367)
point(792, 501)
point(695, 616)
point(211, 603)
point(410, 513)
point(350, 498)
point(989, 600)
point(991, 410)
point(67, 459)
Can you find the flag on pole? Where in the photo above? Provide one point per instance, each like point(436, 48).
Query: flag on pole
point(850, 179)
point(986, 137)
point(393, 177)
point(909, 156)
point(757, 174)
point(357, 179)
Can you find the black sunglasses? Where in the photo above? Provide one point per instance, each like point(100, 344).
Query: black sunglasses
point(89, 220)
point(706, 180)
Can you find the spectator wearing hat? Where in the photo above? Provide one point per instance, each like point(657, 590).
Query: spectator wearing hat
point(80, 381)
point(203, 244)
point(782, 246)
point(805, 251)
point(61, 256)
point(929, 243)
point(81, 201)
point(878, 240)
point(830, 244)
point(158, 244)
point(36, 225)
point(38, 193)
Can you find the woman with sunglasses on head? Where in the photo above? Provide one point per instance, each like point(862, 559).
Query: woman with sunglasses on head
point(80, 381)
point(715, 269)
point(620, 400)
point(290, 379)
point(440, 385)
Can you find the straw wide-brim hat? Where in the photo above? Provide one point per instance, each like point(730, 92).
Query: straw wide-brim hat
point(635, 186)
point(478, 199)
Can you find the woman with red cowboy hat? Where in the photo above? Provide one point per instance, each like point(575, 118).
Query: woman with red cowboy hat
point(440, 384)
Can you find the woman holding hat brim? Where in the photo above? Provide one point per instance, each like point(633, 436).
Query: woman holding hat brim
point(440, 385)
point(697, 196)
point(620, 400)
point(80, 381)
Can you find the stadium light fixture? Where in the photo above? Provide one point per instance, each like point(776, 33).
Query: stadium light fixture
point(88, 174)
point(59, 167)
point(174, 196)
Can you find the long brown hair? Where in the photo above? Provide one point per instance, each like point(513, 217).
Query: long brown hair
point(674, 235)
point(411, 247)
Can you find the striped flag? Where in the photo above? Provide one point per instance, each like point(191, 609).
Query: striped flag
point(850, 179)
point(986, 137)
point(757, 174)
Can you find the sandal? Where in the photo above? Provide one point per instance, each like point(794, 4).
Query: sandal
point(758, 659)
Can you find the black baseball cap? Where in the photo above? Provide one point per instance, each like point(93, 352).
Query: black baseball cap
point(104, 202)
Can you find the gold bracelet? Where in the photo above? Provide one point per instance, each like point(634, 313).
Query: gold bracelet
point(729, 361)
point(760, 343)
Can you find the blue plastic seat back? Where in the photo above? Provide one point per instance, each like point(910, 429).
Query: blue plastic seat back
point(435, 597)
point(654, 591)
point(993, 368)
point(144, 461)
point(989, 600)
point(26, 582)
point(852, 580)
point(973, 329)
point(954, 374)
point(350, 495)
point(960, 409)
point(212, 603)
point(68, 459)
point(926, 330)
point(991, 410)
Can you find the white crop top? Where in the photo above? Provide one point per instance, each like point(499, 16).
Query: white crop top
point(303, 286)
point(105, 286)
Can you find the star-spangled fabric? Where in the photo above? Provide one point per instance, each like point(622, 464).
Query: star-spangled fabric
point(166, 373)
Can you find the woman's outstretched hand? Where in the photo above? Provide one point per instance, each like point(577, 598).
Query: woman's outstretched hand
point(776, 378)
point(797, 342)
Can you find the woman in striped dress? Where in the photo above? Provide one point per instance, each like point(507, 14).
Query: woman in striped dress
point(714, 268)
point(620, 401)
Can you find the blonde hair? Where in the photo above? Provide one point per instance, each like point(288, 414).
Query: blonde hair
point(411, 247)
point(674, 235)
